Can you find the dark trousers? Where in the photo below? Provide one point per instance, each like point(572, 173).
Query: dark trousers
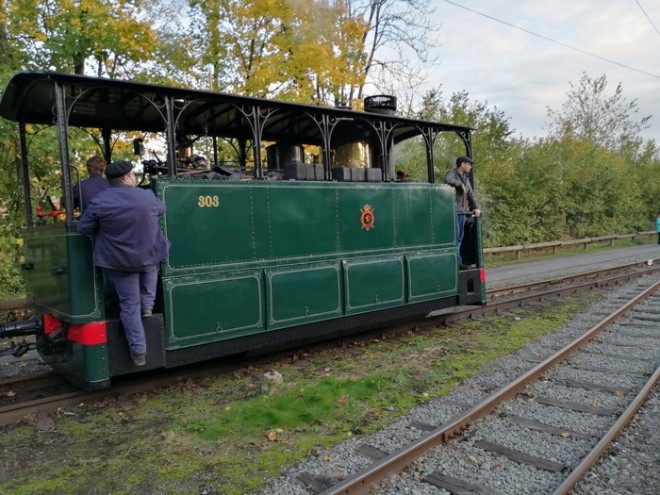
point(136, 292)
point(459, 236)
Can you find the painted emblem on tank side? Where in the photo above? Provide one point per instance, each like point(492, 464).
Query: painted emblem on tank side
point(367, 218)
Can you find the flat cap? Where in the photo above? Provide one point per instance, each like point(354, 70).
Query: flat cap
point(118, 169)
point(462, 159)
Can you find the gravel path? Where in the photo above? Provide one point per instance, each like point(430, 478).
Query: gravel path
point(519, 273)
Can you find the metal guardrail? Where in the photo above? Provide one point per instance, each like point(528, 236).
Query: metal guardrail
point(555, 245)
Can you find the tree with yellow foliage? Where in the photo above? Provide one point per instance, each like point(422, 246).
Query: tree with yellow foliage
point(294, 50)
point(79, 36)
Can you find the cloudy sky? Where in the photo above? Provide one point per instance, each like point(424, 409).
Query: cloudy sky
point(486, 48)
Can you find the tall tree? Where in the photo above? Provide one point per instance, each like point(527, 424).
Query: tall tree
point(99, 36)
point(289, 49)
point(396, 34)
point(175, 58)
point(11, 247)
point(319, 50)
point(591, 114)
point(492, 138)
point(616, 194)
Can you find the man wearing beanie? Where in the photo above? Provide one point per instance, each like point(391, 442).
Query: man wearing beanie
point(129, 246)
point(466, 201)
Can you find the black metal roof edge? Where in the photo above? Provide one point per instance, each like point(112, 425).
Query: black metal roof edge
point(21, 83)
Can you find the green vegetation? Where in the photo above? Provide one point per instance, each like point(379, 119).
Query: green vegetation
point(315, 405)
point(227, 436)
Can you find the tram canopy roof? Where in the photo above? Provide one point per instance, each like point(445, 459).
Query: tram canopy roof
point(30, 97)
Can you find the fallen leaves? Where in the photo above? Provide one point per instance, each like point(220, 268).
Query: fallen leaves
point(273, 435)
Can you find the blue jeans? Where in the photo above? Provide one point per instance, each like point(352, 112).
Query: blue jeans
point(136, 292)
point(459, 236)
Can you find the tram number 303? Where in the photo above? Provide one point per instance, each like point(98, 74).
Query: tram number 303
point(208, 201)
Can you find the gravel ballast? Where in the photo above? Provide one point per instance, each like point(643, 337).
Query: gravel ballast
point(630, 465)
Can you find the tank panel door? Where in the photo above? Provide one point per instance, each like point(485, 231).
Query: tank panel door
point(207, 308)
point(432, 275)
point(303, 294)
point(374, 283)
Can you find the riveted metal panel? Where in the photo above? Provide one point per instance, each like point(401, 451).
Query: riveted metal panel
point(413, 215)
point(432, 275)
point(443, 222)
point(374, 283)
point(211, 222)
point(219, 222)
point(302, 220)
point(250, 257)
point(303, 294)
point(207, 307)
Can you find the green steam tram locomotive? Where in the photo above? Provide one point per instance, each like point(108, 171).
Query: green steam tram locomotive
point(287, 222)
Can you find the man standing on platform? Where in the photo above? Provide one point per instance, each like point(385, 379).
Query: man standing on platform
point(466, 201)
point(129, 246)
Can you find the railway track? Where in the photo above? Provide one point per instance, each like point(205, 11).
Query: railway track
point(45, 392)
point(536, 426)
point(23, 403)
point(498, 293)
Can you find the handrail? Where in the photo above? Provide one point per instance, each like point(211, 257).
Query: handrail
point(554, 245)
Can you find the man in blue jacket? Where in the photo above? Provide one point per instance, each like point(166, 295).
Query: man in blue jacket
point(129, 246)
point(86, 189)
point(466, 201)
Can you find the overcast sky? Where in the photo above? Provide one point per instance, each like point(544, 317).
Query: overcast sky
point(523, 74)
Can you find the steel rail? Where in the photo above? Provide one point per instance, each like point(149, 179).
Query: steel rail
point(18, 380)
point(14, 412)
point(520, 300)
point(148, 381)
point(361, 483)
point(590, 459)
point(498, 292)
